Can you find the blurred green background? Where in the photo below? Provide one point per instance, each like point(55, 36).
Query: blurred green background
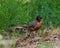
point(18, 12)
point(21, 11)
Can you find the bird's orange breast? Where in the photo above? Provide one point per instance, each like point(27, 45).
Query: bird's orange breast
point(37, 27)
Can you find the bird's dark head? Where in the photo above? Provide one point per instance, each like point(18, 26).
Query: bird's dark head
point(38, 18)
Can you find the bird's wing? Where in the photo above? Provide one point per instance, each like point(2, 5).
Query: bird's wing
point(38, 24)
point(33, 23)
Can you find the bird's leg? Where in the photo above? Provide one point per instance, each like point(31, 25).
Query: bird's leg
point(32, 34)
point(38, 32)
point(27, 32)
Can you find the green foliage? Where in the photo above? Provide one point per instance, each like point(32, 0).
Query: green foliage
point(46, 44)
point(21, 11)
point(1, 46)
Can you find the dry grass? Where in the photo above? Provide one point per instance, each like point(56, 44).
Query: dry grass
point(56, 31)
point(40, 44)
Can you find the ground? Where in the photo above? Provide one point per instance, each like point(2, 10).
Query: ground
point(36, 42)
